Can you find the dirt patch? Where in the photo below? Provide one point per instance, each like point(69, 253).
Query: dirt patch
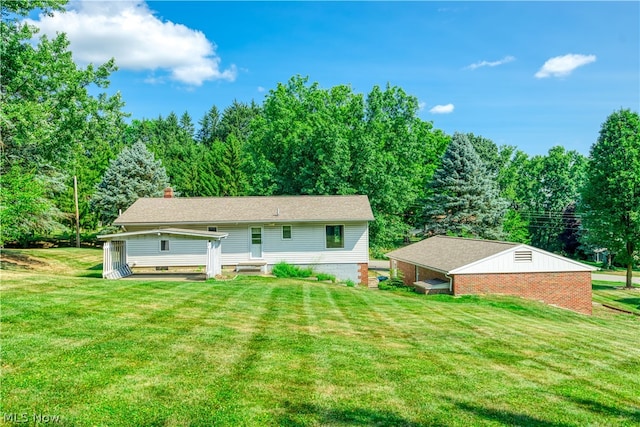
point(10, 260)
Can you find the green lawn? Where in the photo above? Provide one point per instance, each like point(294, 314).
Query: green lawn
point(261, 351)
point(610, 293)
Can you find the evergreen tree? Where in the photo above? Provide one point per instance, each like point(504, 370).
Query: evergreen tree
point(133, 174)
point(462, 198)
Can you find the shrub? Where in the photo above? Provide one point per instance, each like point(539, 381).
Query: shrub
point(350, 283)
point(283, 269)
point(324, 276)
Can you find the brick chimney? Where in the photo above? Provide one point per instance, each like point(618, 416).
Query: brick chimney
point(168, 193)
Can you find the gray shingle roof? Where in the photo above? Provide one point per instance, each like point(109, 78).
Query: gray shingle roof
point(448, 253)
point(220, 210)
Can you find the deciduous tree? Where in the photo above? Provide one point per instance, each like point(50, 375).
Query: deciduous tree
point(611, 196)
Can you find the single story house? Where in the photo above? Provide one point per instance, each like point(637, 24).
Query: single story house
point(461, 266)
point(327, 233)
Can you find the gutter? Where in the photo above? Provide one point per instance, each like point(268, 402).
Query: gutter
point(450, 282)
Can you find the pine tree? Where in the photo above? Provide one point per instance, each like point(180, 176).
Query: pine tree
point(463, 199)
point(133, 174)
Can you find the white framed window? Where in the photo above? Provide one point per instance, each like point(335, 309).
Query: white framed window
point(334, 236)
point(286, 232)
point(164, 246)
point(212, 228)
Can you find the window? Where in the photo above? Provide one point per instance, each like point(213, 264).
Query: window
point(164, 245)
point(286, 232)
point(523, 256)
point(335, 236)
point(213, 228)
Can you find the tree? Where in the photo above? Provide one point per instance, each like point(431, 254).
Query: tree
point(611, 196)
point(133, 174)
point(554, 183)
point(310, 140)
point(462, 198)
point(51, 126)
point(26, 209)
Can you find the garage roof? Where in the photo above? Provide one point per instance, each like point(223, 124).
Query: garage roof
point(445, 253)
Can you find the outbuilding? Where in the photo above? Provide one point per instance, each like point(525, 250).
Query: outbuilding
point(462, 266)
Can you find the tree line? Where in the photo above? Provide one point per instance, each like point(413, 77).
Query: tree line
point(302, 139)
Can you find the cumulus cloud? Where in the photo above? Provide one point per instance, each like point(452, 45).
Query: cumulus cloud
point(442, 109)
point(560, 66)
point(138, 40)
point(481, 64)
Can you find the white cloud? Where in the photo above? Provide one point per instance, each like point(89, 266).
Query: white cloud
point(480, 64)
point(560, 66)
point(421, 105)
point(261, 89)
point(130, 32)
point(442, 109)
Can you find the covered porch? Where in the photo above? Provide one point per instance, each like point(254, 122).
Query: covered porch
point(154, 248)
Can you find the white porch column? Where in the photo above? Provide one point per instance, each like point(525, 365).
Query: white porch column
point(106, 259)
point(213, 258)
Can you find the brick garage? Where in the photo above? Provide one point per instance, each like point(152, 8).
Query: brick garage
point(571, 290)
point(478, 267)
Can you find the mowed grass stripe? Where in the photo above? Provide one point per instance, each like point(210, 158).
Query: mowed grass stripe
point(260, 351)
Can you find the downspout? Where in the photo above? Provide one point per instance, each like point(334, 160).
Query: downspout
point(450, 282)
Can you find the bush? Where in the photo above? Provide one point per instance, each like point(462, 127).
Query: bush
point(282, 269)
point(395, 282)
point(324, 276)
point(350, 283)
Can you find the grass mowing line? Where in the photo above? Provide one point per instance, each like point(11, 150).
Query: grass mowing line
point(145, 382)
point(372, 374)
point(475, 322)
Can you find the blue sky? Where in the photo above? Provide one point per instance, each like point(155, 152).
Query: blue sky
point(529, 74)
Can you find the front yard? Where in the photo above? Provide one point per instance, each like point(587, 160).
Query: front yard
point(263, 351)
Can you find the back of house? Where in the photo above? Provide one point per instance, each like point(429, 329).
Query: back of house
point(327, 233)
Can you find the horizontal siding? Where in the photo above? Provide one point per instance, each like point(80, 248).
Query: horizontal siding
point(144, 251)
point(505, 263)
point(306, 246)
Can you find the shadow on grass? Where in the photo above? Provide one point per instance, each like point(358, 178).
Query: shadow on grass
point(505, 417)
point(632, 416)
point(309, 414)
point(603, 287)
point(630, 301)
point(96, 267)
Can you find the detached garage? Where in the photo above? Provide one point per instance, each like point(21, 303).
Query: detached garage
point(461, 266)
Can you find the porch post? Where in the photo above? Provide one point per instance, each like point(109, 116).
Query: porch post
point(106, 259)
point(213, 258)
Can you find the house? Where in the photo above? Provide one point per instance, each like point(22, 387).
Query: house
point(328, 233)
point(461, 266)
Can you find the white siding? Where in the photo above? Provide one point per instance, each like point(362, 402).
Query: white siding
point(306, 246)
point(505, 262)
point(144, 251)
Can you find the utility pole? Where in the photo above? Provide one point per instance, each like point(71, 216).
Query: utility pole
point(75, 196)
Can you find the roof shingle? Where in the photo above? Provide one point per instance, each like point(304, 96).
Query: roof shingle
point(219, 210)
point(448, 253)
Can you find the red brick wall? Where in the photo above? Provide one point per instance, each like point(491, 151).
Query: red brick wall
point(409, 273)
point(363, 273)
point(407, 270)
point(570, 290)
